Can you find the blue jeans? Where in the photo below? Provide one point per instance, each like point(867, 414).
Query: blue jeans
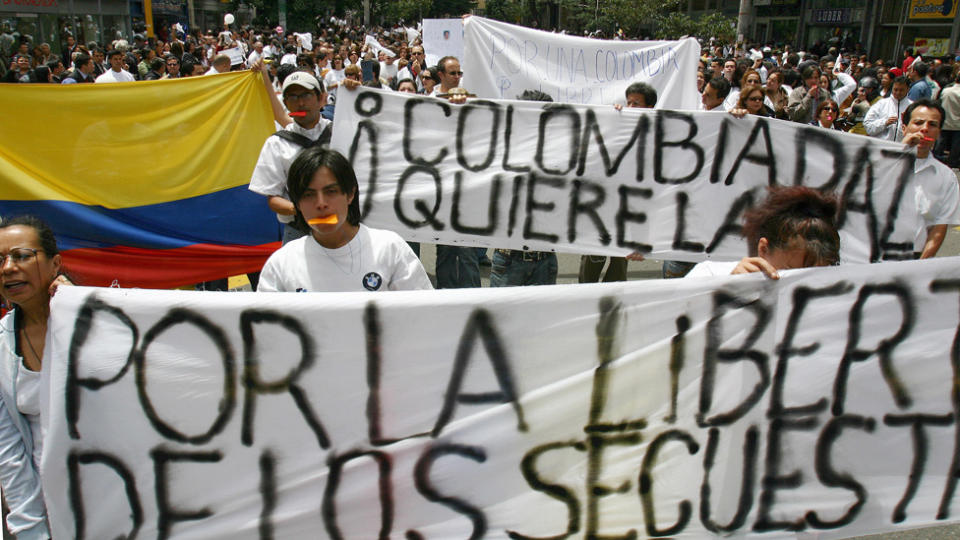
point(514, 268)
point(675, 269)
point(291, 233)
point(457, 267)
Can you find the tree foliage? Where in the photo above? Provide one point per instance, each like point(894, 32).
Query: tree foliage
point(716, 25)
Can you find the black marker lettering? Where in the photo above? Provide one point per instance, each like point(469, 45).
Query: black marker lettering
point(424, 485)
point(534, 205)
point(255, 385)
point(830, 477)
point(429, 216)
point(81, 332)
point(713, 354)
point(335, 465)
point(465, 111)
point(528, 466)
point(646, 483)
point(684, 144)
point(408, 131)
point(493, 207)
point(74, 460)
point(480, 326)
point(167, 514)
point(217, 336)
point(625, 215)
point(884, 350)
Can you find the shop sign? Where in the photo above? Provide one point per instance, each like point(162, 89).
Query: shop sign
point(932, 46)
point(832, 16)
point(45, 6)
point(933, 9)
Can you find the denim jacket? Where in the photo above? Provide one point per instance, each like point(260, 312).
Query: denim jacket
point(19, 479)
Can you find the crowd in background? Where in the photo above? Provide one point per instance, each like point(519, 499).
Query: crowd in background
point(828, 86)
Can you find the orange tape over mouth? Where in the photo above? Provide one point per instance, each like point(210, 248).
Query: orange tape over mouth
point(328, 220)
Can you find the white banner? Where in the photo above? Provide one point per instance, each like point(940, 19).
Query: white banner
point(502, 60)
point(826, 401)
point(377, 48)
point(443, 37)
point(590, 179)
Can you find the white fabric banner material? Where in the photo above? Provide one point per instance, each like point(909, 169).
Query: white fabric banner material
point(502, 60)
point(826, 401)
point(590, 179)
point(443, 37)
point(376, 47)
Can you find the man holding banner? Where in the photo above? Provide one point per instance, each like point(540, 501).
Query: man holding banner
point(457, 267)
point(937, 194)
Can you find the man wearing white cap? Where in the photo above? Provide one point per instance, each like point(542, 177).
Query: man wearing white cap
point(304, 96)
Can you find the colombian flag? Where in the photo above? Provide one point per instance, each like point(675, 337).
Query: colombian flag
point(144, 184)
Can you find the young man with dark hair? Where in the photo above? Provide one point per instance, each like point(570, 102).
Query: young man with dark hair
point(83, 73)
point(919, 87)
point(339, 254)
point(883, 117)
point(936, 191)
point(714, 94)
point(157, 66)
point(116, 73)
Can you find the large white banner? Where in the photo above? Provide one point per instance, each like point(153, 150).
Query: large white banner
point(442, 37)
point(502, 60)
point(826, 401)
point(590, 179)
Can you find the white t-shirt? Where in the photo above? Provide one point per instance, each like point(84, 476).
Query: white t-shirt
point(111, 76)
point(374, 260)
point(712, 268)
point(270, 174)
point(28, 403)
point(388, 71)
point(937, 197)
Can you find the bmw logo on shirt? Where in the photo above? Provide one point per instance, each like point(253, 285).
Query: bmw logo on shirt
point(372, 281)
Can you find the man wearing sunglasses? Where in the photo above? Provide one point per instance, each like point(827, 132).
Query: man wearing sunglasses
point(450, 75)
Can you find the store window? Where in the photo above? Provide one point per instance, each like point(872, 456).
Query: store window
point(114, 28)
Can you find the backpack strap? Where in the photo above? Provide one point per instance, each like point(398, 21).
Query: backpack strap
point(304, 141)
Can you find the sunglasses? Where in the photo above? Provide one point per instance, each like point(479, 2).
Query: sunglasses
point(755, 99)
point(831, 109)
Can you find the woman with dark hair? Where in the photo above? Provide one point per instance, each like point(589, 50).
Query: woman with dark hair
point(776, 94)
point(795, 227)
point(804, 100)
point(752, 102)
point(29, 275)
point(429, 78)
point(339, 254)
point(827, 114)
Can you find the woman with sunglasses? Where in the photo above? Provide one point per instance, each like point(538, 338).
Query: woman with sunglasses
point(751, 101)
point(827, 114)
point(29, 275)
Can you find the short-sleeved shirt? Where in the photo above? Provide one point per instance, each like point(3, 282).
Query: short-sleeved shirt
point(373, 260)
point(270, 175)
point(937, 197)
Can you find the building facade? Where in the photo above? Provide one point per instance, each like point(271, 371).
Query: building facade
point(883, 28)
